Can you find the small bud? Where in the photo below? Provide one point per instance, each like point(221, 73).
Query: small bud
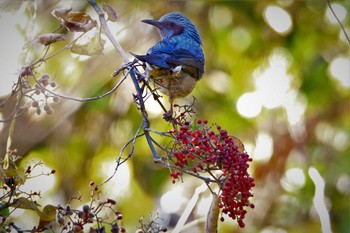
point(86, 209)
point(47, 107)
point(49, 112)
point(81, 214)
point(26, 71)
point(44, 82)
point(45, 76)
point(60, 220)
point(56, 99)
point(112, 202)
point(29, 169)
point(35, 104)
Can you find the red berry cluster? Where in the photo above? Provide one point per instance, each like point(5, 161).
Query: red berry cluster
point(201, 148)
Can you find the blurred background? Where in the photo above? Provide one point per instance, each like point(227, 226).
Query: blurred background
point(277, 76)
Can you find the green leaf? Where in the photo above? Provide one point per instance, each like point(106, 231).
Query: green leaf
point(4, 212)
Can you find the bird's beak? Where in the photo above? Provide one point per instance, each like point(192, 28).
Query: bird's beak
point(153, 22)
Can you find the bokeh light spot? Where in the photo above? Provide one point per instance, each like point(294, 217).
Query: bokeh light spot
point(171, 201)
point(339, 69)
point(249, 105)
point(263, 148)
point(219, 81)
point(120, 186)
point(220, 17)
point(273, 83)
point(343, 184)
point(240, 39)
point(293, 179)
point(278, 19)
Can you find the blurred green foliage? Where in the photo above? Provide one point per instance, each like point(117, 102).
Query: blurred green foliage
point(309, 128)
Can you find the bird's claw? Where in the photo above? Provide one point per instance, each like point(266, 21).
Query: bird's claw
point(168, 116)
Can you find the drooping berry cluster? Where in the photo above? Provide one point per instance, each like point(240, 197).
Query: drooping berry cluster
point(39, 90)
point(201, 148)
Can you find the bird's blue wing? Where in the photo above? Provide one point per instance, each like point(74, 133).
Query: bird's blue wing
point(193, 63)
point(176, 51)
point(158, 54)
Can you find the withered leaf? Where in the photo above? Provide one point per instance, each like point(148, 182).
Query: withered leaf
point(74, 21)
point(50, 38)
point(80, 22)
point(112, 15)
point(239, 144)
point(61, 13)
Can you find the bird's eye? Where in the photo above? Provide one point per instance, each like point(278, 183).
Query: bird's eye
point(172, 24)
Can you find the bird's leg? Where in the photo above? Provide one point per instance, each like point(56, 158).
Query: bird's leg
point(168, 116)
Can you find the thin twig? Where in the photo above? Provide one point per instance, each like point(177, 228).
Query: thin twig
point(86, 98)
point(341, 25)
point(119, 160)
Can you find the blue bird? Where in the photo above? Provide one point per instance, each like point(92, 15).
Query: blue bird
point(175, 63)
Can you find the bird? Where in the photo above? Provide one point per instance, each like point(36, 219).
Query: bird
point(176, 62)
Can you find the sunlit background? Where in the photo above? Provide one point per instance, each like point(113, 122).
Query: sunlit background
point(277, 76)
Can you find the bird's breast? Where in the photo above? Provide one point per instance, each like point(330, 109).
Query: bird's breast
point(175, 84)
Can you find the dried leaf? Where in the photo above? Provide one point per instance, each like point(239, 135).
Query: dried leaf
point(79, 22)
point(74, 21)
point(49, 38)
point(47, 215)
point(94, 46)
point(112, 15)
point(211, 223)
point(61, 13)
point(239, 144)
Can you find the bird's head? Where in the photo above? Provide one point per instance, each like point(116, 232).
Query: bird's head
point(173, 24)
